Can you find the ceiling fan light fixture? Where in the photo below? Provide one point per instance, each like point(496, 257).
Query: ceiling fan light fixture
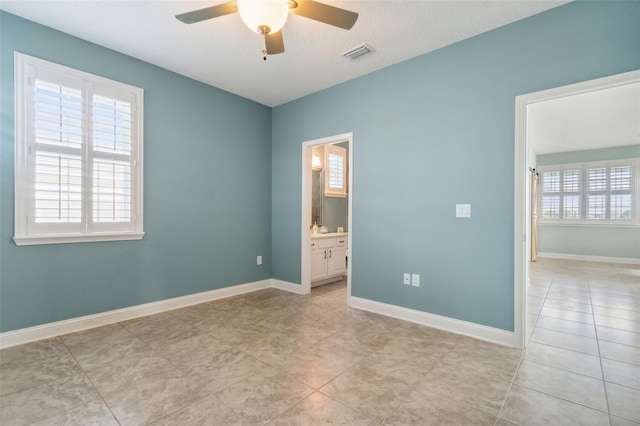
point(264, 16)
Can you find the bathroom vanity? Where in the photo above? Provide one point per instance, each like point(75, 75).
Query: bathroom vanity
point(328, 257)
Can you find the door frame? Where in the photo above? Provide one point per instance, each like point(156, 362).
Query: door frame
point(522, 214)
point(305, 248)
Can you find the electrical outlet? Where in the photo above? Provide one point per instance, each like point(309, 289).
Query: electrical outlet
point(415, 280)
point(407, 278)
point(259, 260)
point(463, 210)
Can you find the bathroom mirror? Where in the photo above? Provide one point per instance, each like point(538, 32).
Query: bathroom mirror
point(331, 212)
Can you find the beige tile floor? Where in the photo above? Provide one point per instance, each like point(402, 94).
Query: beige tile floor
point(283, 359)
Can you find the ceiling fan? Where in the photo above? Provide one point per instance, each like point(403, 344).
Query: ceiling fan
point(267, 17)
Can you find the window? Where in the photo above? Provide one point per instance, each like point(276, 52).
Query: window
point(335, 184)
point(78, 170)
point(597, 192)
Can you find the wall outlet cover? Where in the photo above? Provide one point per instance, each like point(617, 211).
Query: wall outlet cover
point(463, 210)
point(415, 280)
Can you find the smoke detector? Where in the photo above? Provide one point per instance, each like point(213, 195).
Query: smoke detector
point(358, 52)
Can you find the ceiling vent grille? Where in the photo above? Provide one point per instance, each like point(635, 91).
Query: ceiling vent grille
point(358, 52)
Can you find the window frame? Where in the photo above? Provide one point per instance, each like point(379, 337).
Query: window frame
point(584, 192)
point(329, 190)
point(26, 232)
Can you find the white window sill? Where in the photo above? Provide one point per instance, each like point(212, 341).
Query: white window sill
point(69, 239)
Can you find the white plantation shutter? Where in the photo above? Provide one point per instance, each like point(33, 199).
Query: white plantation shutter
point(571, 198)
point(111, 191)
point(112, 165)
point(57, 132)
point(78, 156)
point(58, 188)
point(597, 192)
point(621, 200)
point(335, 184)
point(336, 171)
point(550, 200)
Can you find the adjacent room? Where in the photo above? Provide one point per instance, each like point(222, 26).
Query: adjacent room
point(383, 213)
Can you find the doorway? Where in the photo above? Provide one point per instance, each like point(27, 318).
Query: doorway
point(306, 219)
point(522, 196)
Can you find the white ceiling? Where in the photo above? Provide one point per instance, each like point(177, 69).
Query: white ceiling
point(222, 52)
point(601, 119)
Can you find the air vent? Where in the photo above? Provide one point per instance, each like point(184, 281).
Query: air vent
point(358, 52)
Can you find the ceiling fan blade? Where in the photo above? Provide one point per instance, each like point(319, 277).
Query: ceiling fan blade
point(274, 43)
point(324, 13)
point(208, 13)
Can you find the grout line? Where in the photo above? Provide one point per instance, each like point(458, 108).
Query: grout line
point(513, 380)
point(90, 381)
point(604, 386)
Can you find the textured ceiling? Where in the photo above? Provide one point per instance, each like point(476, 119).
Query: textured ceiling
point(601, 119)
point(224, 53)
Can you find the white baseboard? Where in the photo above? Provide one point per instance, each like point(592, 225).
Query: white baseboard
point(477, 331)
point(287, 286)
point(45, 331)
point(588, 258)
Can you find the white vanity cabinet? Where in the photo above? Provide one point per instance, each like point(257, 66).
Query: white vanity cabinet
point(328, 257)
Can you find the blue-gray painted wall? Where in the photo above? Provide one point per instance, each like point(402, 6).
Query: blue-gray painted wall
point(435, 131)
point(587, 155)
point(207, 186)
point(590, 240)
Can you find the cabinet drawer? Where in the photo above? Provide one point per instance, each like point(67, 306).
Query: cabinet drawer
point(326, 242)
point(341, 242)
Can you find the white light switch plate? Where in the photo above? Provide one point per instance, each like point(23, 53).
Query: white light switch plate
point(407, 278)
point(463, 210)
point(415, 280)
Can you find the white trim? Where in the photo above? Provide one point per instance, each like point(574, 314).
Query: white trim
point(590, 258)
point(287, 286)
point(521, 234)
point(305, 258)
point(477, 331)
point(84, 238)
point(45, 331)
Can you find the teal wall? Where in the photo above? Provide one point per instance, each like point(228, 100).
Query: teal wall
point(604, 154)
point(438, 130)
point(207, 203)
point(607, 241)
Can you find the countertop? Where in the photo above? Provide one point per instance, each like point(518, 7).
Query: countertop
point(329, 235)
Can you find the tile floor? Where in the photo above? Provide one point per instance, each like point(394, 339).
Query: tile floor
point(283, 359)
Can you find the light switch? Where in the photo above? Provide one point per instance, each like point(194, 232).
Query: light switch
point(415, 280)
point(463, 210)
point(407, 278)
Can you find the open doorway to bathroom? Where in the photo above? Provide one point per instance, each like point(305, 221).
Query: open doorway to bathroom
point(327, 194)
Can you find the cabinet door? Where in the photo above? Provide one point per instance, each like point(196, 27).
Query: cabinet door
point(337, 261)
point(319, 264)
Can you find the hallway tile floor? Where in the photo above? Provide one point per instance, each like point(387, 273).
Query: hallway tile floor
point(272, 357)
